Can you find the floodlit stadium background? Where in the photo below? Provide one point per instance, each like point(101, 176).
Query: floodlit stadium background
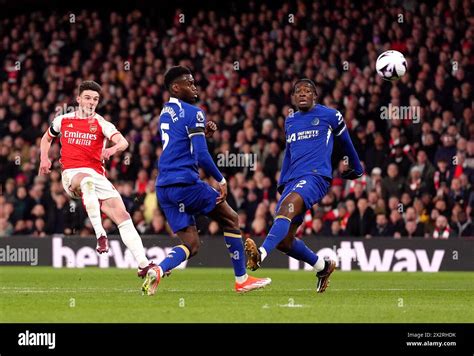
point(245, 57)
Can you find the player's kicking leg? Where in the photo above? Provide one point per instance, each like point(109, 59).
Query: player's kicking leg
point(84, 184)
point(116, 211)
point(291, 207)
point(227, 218)
point(94, 187)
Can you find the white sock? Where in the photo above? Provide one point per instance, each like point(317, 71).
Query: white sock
point(132, 240)
point(91, 202)
point(241, 279)
point(319, 265)
point(263, 253)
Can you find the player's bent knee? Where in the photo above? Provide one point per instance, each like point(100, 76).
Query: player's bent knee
point(193, 248)
point(87, 185)
point(123, 215)
point(286, 212)
point(89, 197)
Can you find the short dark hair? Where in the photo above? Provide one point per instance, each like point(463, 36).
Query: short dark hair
point(307, 81)
point(174, 73)
point(90, 85)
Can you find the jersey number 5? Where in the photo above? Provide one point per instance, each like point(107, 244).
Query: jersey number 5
point(164, 135)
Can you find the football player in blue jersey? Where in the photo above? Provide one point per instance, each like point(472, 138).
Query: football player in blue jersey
point(180, 192)
point(305, 178)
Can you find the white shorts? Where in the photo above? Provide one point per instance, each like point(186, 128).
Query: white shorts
point(103, 188)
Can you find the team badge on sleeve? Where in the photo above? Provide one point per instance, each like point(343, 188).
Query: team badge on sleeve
point(200, 116)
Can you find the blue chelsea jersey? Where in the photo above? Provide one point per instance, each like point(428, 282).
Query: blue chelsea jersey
point(309, 142)
point(177, 124)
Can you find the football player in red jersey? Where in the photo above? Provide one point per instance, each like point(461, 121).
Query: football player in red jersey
point(83, 136)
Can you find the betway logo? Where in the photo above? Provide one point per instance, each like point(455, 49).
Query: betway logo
point(64, 256)
point(378, 260)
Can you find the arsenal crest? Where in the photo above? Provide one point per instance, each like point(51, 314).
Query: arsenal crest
point(93, 128)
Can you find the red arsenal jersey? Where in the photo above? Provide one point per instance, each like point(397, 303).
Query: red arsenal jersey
point(82, 140)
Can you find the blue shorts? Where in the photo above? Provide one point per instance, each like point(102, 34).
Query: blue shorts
point(181, 202)
point(312, 189)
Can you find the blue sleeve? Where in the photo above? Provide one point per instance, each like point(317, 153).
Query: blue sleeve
point(201, 153)
point(339, 130)
point(196, 121)
point(337, 123)
point(196, 129)
point(349, 149)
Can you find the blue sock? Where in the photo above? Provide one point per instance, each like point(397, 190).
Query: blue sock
point(177, 255)
point(301, 252)
point(233, 241)
point(277, 233)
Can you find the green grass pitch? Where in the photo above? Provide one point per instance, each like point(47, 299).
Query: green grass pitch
point(44, 294)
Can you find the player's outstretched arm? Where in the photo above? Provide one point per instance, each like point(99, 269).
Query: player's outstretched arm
point(45, 163)
point(120, 144)
point(356, 170)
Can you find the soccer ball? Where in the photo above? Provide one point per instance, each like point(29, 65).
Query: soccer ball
point(391, 65)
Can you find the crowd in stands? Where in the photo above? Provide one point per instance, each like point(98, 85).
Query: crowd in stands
point(419, 162)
